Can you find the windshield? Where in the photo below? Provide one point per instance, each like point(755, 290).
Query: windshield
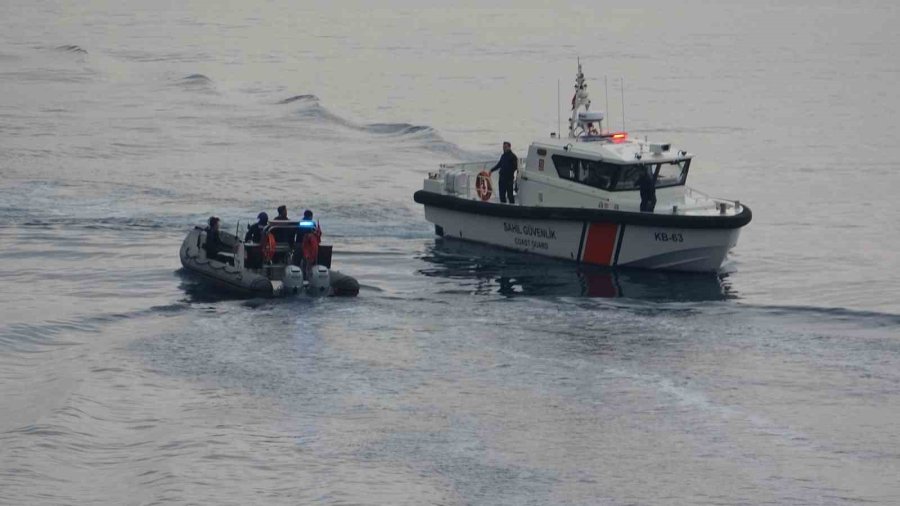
point(613, 177)
point(672, 174)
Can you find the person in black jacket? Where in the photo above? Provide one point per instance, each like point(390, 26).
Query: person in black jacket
point(254, 232)
point(282, 213)
point(647, 185)
point(284, 235)
point(214, 244)
point(508, 165)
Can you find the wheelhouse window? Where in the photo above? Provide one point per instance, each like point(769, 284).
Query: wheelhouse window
point(629, 175)
point(588, 172)
point(672, 174)
point(613, 177)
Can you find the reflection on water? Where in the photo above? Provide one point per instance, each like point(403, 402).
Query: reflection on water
point(200, 289)
point(485, 269)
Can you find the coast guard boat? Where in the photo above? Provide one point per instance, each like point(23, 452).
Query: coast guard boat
point(267, 268)
point(578, 199)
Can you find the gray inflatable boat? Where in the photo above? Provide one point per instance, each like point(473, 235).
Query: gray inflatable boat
point(243, 267)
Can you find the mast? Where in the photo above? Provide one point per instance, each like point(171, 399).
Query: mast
point(580, 99)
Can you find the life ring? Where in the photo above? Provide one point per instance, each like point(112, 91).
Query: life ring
point(267, 246)
point(483, 185)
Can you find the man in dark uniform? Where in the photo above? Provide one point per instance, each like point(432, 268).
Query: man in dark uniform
point(254, 233)
point(284, 235)
point(648, 190)
point(508, 165)
point(253, 238)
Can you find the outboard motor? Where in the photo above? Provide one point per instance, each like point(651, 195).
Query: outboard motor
point(293, 279)
point(319, 280)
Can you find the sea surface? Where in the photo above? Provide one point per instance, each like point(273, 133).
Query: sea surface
point(461, 374)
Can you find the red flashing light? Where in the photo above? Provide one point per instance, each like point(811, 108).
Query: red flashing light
point(619, 136)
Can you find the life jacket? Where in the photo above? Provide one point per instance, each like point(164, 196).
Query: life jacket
point(310, 247)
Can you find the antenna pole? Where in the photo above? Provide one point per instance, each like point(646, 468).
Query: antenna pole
point(623, 104)
point(606, 93)
point(558, 113)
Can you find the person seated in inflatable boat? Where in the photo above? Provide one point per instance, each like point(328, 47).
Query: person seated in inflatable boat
point(215, 248)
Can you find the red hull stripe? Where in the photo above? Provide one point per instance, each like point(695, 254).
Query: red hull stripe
point(600, 244)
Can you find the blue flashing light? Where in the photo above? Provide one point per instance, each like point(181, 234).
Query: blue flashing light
point(307, 224)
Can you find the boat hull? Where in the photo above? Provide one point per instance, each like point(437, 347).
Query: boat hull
point(591, 237)
point(221, 274)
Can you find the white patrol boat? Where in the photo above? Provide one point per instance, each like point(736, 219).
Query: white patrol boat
point(579, 198)
point(270, 268)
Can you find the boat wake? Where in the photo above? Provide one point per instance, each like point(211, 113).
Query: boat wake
point(834, 315)
point(50, 334)
point(414, 136)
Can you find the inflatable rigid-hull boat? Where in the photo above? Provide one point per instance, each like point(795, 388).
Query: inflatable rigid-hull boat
point(231, 270)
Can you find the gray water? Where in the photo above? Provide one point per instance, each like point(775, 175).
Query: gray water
point(461, 374)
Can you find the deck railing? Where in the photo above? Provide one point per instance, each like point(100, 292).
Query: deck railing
point(473, 169)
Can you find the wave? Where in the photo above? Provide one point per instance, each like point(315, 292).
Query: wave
point(414, 136)
point(196, 82)
point(299, 98)
point(868, 319)
point(196, 78)
point(154, 54)
point(37, 337)
point(111, 223)
point(398, 128)
point(71, 48)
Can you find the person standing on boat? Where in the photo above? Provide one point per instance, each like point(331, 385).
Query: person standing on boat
point(309, 225)
point(253, 240)
point(283, 233)
point(647, 185)
point(254, 232)
point(282, 213)
point(311, 237)
point(508, 165)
